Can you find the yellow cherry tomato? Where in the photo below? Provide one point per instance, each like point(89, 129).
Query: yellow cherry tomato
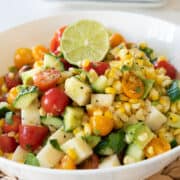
point(23, 56)
point(101, 125)
point(38, 52)
point(132, 86)
point(116, 39)
point(12, 94)
point(67, 163)
point(155, 147)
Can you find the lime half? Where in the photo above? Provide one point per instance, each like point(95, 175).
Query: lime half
point(86, 39)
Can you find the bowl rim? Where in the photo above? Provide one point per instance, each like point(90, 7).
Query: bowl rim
point(91, 171)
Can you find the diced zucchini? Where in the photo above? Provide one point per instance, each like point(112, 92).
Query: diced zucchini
point(77, 91)
point(133, 154)
point(155, 119)
point(19, 155)
point(72, 117)
point(49, 156)
point(100, 84)
point(92, 140)
point(4, 108)
point(27, 76)
point(102, 99)
point(173, 120)
point(52, 121)
point(148, 84)
point(81, 148)
point(51, 61)
point(25, 97)
point(174, 91)
point(138, 134)
point(30, 115)
point(110, 161)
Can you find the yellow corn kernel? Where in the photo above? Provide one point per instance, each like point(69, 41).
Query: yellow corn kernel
point(77, 130)
point(117, 86)
point(38, 64)
point(87, 129)
point(121, 110)
point(1, 122)
point(128, 56)
point(162, 58)
point(117, 123)
point(72, 153)
point(150, 73)
point(143, 45)
point(8, 155)
point(4, 88)
point(1, 153)
point(85, 63)
point(176, 132)
point(123, 97)
point(116, 64)
point(154, 95)
point(110, 90)
point(108, 114)
point(173, 108)
point(133, 101)
point(127, 107)
point(98, 112)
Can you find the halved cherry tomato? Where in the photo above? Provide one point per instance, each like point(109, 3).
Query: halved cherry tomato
point(132, 86)
point(54, 101)
point(31, 137)
point(170, 69)
point(14, 126)
point(12, 80)
point(99, 67)
point(7, 144)
point(67, 163)
point(155, 147)
point(46, 79)
point(55, 42)
point(90, 163)
point(116, 39)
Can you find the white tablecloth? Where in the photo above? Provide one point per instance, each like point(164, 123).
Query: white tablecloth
point(14, 12)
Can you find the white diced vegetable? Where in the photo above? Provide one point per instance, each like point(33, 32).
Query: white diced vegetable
point(110, 161)
point(19, 154)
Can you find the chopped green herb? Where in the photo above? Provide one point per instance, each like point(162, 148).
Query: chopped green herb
point(13, 69)
point(173, 143)
point(9, 117)
point(125, 68)
point(31, 160)
point(174, 91)
point(55, 144)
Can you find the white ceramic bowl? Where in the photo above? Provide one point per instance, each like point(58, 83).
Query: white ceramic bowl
point(161, 35)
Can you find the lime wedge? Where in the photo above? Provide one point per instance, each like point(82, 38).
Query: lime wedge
point(86, 39)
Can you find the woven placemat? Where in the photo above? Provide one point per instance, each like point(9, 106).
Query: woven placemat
point(171, 172)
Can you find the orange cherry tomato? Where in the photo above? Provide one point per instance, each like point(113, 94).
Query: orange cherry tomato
point(101, 125)
point(23, 56)
point(12, 94)
point(116, 39)
point(67, 163)
point(155, 147)
point(132, 86)
point(38, 52)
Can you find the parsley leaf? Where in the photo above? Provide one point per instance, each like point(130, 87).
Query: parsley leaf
point(55, 144)
point(125, 68)
point(31, 160)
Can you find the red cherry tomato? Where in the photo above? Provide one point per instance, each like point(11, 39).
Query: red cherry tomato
point(12, 80)
point(99, 67)
point(14, 126)
point(31, 137)
point(55, 42)
point(7, 144)
point(54, 101)
point(46, 79)
point(170, 69)
point(66, 64)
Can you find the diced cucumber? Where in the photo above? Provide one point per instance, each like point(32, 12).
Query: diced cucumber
point(139, 134)
point(174, 91)
point(30, 115)
point(72, 117)
point(155, 119)
point(52, 121)
point(27, 76)
point(81, 148)
point(78, 91)
point(92, 140)
point(4, 108)
point(102, 99)
point(173, 120)
point(110, 161)
point(148, 84)
point(133, 154)
point(100, 84)
point(25, 97)
point(51, 61)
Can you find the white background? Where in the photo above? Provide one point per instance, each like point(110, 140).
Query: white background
point(14, 12)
